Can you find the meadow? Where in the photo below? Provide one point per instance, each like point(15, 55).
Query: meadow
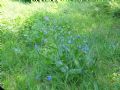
point(67, 45)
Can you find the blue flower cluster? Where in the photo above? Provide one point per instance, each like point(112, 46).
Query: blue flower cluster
point(49, 78)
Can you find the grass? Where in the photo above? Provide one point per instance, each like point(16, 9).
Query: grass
point(59, 46)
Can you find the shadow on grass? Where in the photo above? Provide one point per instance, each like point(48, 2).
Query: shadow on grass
point(23, 1)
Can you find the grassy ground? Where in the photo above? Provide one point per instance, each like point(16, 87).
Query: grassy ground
point(63, 46)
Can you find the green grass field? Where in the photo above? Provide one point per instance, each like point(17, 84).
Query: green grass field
point(60, 46)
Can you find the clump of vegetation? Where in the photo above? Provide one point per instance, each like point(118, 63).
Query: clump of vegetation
point(109, 7)
point(49, 46)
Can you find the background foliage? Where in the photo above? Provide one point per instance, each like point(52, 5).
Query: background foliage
point(60, 46)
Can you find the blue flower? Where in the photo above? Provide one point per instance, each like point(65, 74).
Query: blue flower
point(49, 78)
point(85, 48)
point(66, 48)
point(78, 37)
